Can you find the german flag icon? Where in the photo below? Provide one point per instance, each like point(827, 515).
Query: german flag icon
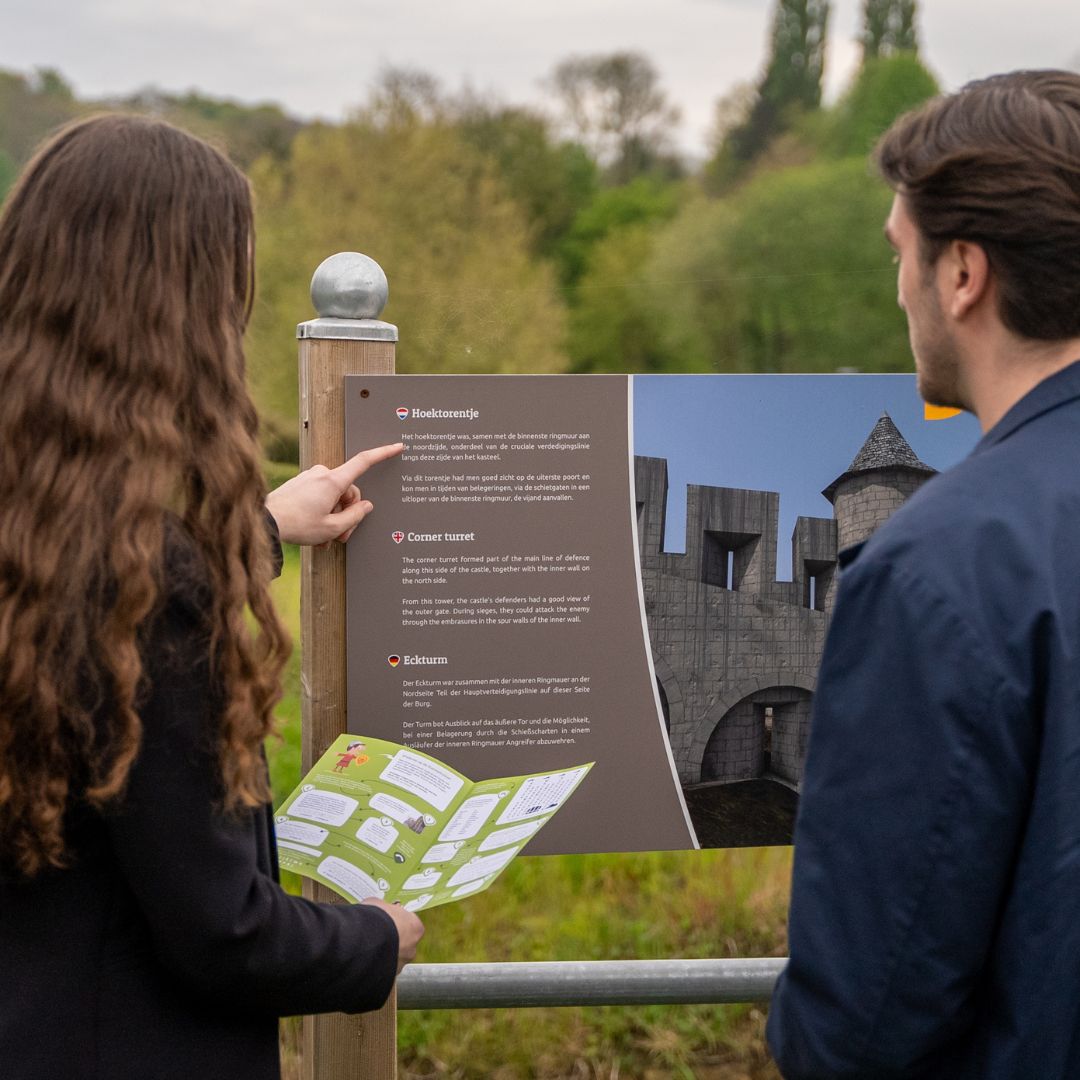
point(393, 659)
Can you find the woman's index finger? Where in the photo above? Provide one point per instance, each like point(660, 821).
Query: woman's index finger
point(355, 467)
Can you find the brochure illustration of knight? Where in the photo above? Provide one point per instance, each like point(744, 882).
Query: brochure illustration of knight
point(633, 570)
point(373, 818)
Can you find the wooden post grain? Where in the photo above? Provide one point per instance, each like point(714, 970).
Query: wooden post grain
point(336, 1046)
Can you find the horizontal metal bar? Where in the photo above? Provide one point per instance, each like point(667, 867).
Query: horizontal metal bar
point(592, 982)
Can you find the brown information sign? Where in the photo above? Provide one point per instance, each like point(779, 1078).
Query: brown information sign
point(495, 618)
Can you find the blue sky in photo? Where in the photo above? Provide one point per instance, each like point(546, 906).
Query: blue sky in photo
point(793, 434)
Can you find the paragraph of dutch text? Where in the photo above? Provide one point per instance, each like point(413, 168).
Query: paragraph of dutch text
point(461, 446)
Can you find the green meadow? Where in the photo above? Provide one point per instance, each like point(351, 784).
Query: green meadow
point(579, 907)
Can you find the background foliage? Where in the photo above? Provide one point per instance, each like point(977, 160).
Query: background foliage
point(576, 239)
point(519, 241)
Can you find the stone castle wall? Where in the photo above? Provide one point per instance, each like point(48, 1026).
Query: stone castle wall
point(730, 641)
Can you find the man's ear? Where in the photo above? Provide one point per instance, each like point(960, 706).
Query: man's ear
point(964, 277)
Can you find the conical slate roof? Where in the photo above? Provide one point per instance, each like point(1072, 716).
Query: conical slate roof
point(885, 448)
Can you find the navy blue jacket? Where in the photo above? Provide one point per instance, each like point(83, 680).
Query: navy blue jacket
point(935, 910)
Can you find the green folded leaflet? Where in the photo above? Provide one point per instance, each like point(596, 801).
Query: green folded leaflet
point(373, 818)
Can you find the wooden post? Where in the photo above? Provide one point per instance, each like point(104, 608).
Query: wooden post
point(349, 292)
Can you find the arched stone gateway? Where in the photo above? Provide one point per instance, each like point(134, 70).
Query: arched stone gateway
point(707, 725)
point(762, 733)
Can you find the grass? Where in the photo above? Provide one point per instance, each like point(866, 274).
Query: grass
point(580, 907)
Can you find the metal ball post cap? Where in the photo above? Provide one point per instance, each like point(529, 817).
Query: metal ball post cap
point(349, 286)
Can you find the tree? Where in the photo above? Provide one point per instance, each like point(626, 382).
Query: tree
point(611, 325)
point(731, 114)
point(614, 105)
point(246, 132)
point(790, 273)
point(433, 212)
point(884, 88)
point(550, 180)
point(30, 108)
point(404, 95)
point(602, 260)
point(642, 202)
point(888, 28)
point(790, 84)
point(7, 174)
point(797, 55)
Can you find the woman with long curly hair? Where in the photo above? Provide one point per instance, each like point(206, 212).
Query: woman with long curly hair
point(142, 931)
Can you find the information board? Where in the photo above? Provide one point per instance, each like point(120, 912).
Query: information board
point(494, 613)
point(637, 571)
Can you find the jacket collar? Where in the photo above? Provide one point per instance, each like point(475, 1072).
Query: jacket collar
point(1057, 389)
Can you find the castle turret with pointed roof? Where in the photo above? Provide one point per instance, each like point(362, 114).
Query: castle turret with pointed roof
point(882, 475)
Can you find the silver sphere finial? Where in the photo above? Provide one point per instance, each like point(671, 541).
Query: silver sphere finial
point(349, 285)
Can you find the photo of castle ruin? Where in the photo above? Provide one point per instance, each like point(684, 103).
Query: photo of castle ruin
point(735, 650)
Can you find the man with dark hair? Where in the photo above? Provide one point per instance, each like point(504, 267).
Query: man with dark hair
point(935, 911)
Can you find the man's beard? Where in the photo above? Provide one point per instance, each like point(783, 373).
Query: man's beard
point(937, 363)
point(937, 379)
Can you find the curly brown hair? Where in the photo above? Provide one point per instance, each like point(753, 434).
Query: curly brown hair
point(125, 286)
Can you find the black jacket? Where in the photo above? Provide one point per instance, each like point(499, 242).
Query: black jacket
point(167, 949)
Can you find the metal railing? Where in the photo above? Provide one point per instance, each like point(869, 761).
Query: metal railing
point(592, 982)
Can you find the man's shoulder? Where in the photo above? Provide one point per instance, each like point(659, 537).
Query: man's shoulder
point(941, 521)
point(982, 527)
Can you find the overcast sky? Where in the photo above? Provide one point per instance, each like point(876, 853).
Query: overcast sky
point(320, 57)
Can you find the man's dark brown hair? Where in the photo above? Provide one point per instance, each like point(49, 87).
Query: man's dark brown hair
point(998, 164)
